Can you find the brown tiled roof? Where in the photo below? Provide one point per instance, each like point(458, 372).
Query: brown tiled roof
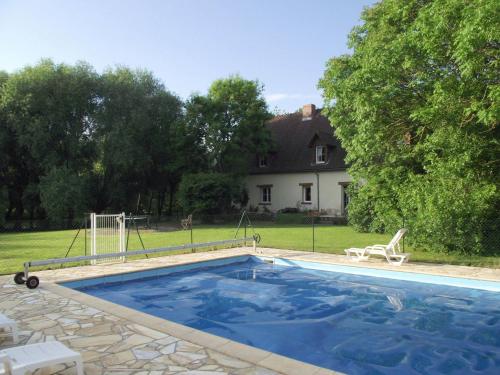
point(294, 145)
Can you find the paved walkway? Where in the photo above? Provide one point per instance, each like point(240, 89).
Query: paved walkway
point(116, 340)
point(109, 344)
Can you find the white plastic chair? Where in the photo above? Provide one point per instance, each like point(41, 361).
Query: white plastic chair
point(391, 251)
point(20, 359)
point(8, 324)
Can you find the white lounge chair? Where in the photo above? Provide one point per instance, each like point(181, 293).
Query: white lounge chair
point(20, 359)
point(8, 324)
point(392, 251)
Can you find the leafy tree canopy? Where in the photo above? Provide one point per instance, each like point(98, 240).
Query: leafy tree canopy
point(49, 107)
point(140, 128)
point(73, 140)
point(416, 106)
point(230, 120)
point(46, 112)
point(110, 136)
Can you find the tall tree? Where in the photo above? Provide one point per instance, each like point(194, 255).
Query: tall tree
point(228, 128)
point(48, 110)
point(5, 166)
point(416, 106)
point(140, 123)
point(231, 121)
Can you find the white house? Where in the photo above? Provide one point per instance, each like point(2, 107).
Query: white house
point(305, 170)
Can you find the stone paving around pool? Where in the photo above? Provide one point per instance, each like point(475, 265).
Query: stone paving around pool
point(109, 344)
point(116, 340)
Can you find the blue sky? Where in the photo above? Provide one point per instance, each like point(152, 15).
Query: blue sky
point(187, 43)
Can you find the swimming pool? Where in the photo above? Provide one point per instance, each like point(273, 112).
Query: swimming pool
point(352, 323)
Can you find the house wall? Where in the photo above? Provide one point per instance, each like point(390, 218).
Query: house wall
point(286, 190)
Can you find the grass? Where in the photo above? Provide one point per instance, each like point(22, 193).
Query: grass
point(16, 248)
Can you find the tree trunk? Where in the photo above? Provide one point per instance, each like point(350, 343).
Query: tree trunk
point(159, 204)
point(19, 208)
point(171, 199)
point(150, 203)
point(11, 206)
point(32, 216)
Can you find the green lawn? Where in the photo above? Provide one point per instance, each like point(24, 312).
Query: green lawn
point(16, 248)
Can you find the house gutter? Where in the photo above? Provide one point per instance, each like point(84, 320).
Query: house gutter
point(317, 186)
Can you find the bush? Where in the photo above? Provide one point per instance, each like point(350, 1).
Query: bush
point(290, 218)
point(211, 193)
point(62, 194)
point(447, 214)
point(3, 204)
point(455, 215)
point(372, 210)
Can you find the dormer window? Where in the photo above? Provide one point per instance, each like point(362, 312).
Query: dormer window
point(320, 154)
point(262, 161)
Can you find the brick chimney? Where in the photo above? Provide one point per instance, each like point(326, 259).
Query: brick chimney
point(308, 111)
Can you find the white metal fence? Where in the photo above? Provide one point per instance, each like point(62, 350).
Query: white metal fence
point(107, 235)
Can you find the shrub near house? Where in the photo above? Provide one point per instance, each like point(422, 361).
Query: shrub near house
point(210, 193)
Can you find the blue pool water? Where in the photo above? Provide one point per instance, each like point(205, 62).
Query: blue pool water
point(350, 323)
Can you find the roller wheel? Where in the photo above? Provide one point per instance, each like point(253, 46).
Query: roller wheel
point(19, 278)
point(32, 282)
point(256, 237)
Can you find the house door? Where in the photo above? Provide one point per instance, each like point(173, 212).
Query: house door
point(345, 199)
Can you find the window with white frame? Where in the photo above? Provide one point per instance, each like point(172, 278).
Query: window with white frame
point(320, 154)
point(306, 193)
point(265, 194)
point(262, 161)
